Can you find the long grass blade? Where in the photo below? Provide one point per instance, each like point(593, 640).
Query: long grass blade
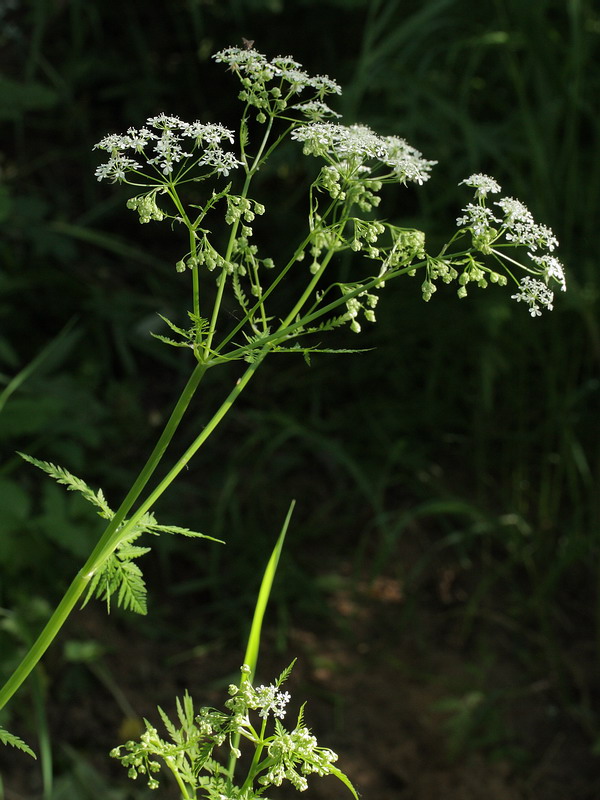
point(253, 646)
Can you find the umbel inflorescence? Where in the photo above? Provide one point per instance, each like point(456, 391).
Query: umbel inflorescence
point(281, 99)
point(200, 742)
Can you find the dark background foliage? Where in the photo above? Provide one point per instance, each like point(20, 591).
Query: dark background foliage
point(467, 440)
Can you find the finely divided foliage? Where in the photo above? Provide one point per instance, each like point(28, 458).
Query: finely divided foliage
point(11, 740)
point(118, 575)
point(279, 754)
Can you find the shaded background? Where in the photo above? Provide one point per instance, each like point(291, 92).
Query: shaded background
point(446, 532)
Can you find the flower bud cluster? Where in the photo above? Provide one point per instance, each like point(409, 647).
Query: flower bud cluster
point(407, 244)
point(365, 302)
point(145, 205)
point(205, 256)
point(242, 208)
point(347, 181)
point(138, 756)
point(287, 749)
point(366, 234)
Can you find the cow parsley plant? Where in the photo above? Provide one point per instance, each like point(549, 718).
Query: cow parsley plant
point(198, 178)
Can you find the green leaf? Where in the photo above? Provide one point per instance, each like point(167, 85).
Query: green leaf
point(175, 328)
point(172, 730)
point(239, 293)
point(185, 712)
point(204, 753)
point(243, 133)
point(285, 674)
point(176, 530)
point(253, 645)
point(73, 484)
point(122, 577)
point(166, 340)
point(7, 738)
point(343, 778)
point(132, 587)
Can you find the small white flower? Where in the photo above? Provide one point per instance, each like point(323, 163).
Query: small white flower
point(552, 268)
point(521, 228)
point(269, 699)
point(165, 149)
point(355, 144)
point(482, 184)
point(478, 218)
point(316, 110)
point(535, 294)
point(115, 168)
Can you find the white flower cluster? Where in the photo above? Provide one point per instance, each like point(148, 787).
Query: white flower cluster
point(518, 228)
point(357, 144)
point(521, 227)
point(482, 184)
point(248, 61)
point(269, 85)
point(162, 144)
point(264, 699)
point(535, 294)
point(269, 700)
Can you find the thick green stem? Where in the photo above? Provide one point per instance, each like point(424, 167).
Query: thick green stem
point(44, 640)
point(105, 545)
point(117, 528)
point(199, 441)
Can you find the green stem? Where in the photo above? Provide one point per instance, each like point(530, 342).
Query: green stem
point(288, 327)
point(104, 547)
point(117, 527)
point(223, 279)
point(180, 783)
point(252, 770)
point(198, 442)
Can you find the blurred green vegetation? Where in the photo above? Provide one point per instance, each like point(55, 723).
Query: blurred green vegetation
point(469, 435)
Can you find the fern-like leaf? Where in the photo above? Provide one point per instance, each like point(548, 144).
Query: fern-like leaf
point(172, 342)
point(285, 674)
point(185, 712)
point(120, 576)
point(172, 730)
point(73, 484)
point(175, 328)
point(175, 530)
point(132, 587)
point(11, 740)
point(239, 293)
point(202, 760)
